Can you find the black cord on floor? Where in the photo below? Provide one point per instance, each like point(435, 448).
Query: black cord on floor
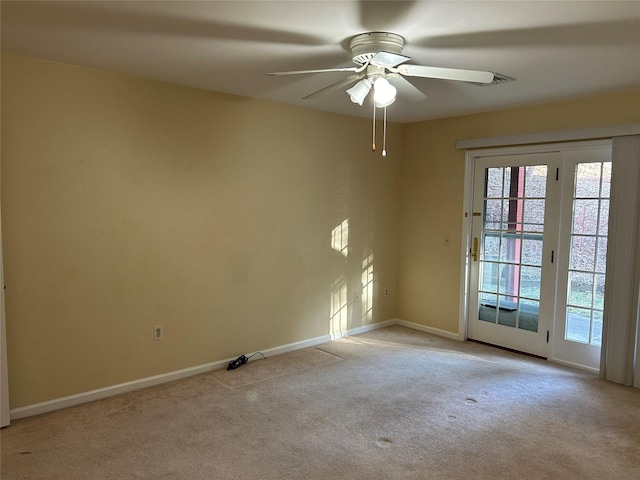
point(241, 360)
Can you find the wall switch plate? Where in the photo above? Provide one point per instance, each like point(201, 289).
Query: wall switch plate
point(446, 241)
point(158, 332)
point(356, 297)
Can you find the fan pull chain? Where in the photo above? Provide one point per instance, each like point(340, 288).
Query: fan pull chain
point(384, 134)
point(373, 144)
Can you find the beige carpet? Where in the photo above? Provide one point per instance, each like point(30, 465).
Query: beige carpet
point(398, 405)
point(268, 368)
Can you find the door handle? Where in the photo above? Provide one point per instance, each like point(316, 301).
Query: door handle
point(474, 252)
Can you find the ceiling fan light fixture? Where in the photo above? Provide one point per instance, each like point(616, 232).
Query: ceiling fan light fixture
point(359, 91)
point(378, 56)
point(384, 94)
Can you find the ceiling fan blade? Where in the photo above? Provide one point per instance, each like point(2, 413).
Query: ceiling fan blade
point(325, 70)
point(476, 76)
point(406, 89)
point(388, 59)
point(334, 86)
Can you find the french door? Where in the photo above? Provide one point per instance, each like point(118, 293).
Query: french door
point(538, 251)
point(582, 266)
point(511, 302)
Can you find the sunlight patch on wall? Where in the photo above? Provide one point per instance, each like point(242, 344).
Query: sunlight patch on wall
point(340, 238)
point(339, 314)
point(367, 289)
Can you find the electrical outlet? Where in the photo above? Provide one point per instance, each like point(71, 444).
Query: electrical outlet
point(158, 332)
point(386, 292)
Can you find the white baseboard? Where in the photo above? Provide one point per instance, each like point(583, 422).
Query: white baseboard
point(575, 365)
point(290, 347)
point(84, 397)
point(431, 330)
point(368, 328)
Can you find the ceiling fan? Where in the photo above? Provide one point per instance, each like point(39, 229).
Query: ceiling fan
point(380, 64)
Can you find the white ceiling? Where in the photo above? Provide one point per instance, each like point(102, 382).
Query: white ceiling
point(555, 49)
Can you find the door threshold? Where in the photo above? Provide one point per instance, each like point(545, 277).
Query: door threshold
point(507, 349)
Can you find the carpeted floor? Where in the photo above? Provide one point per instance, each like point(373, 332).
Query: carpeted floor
point(390, 404)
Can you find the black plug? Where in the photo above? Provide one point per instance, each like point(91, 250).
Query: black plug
point(241, 360)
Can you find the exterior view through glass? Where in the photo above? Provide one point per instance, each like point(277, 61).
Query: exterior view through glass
point(511, 264)
point(588, 253)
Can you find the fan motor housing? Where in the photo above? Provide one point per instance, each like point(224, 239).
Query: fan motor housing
point(364, 46)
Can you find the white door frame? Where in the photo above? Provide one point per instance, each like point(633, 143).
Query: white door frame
point(470, 159)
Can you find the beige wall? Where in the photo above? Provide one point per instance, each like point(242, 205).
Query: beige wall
point(128, 203)
point(432, 186)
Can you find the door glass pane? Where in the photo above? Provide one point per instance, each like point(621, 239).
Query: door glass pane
point(506, 182)
point(577, 325)
point(507, 310)
point(588, 253)
point(583, 253)
point(580, 289)
point(585, 216)
point(492, 214)
point(509, 279)
point(530, 278)
point(601, 255)
point(598, 292)
point(511, 250)
point(489, 277)
point(491, 243)
point(528, 314)
point(606, 180)
point(507, 209)
point(494, 182)
point(488, 308)
point(603, 220)
point(588, 180)
point(536, 182)
point(532, 250)
point(596, 332)
point(532, 228)
point(534, 212)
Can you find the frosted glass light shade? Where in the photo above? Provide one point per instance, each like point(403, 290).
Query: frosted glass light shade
point(384, 93)
point(359, 91)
